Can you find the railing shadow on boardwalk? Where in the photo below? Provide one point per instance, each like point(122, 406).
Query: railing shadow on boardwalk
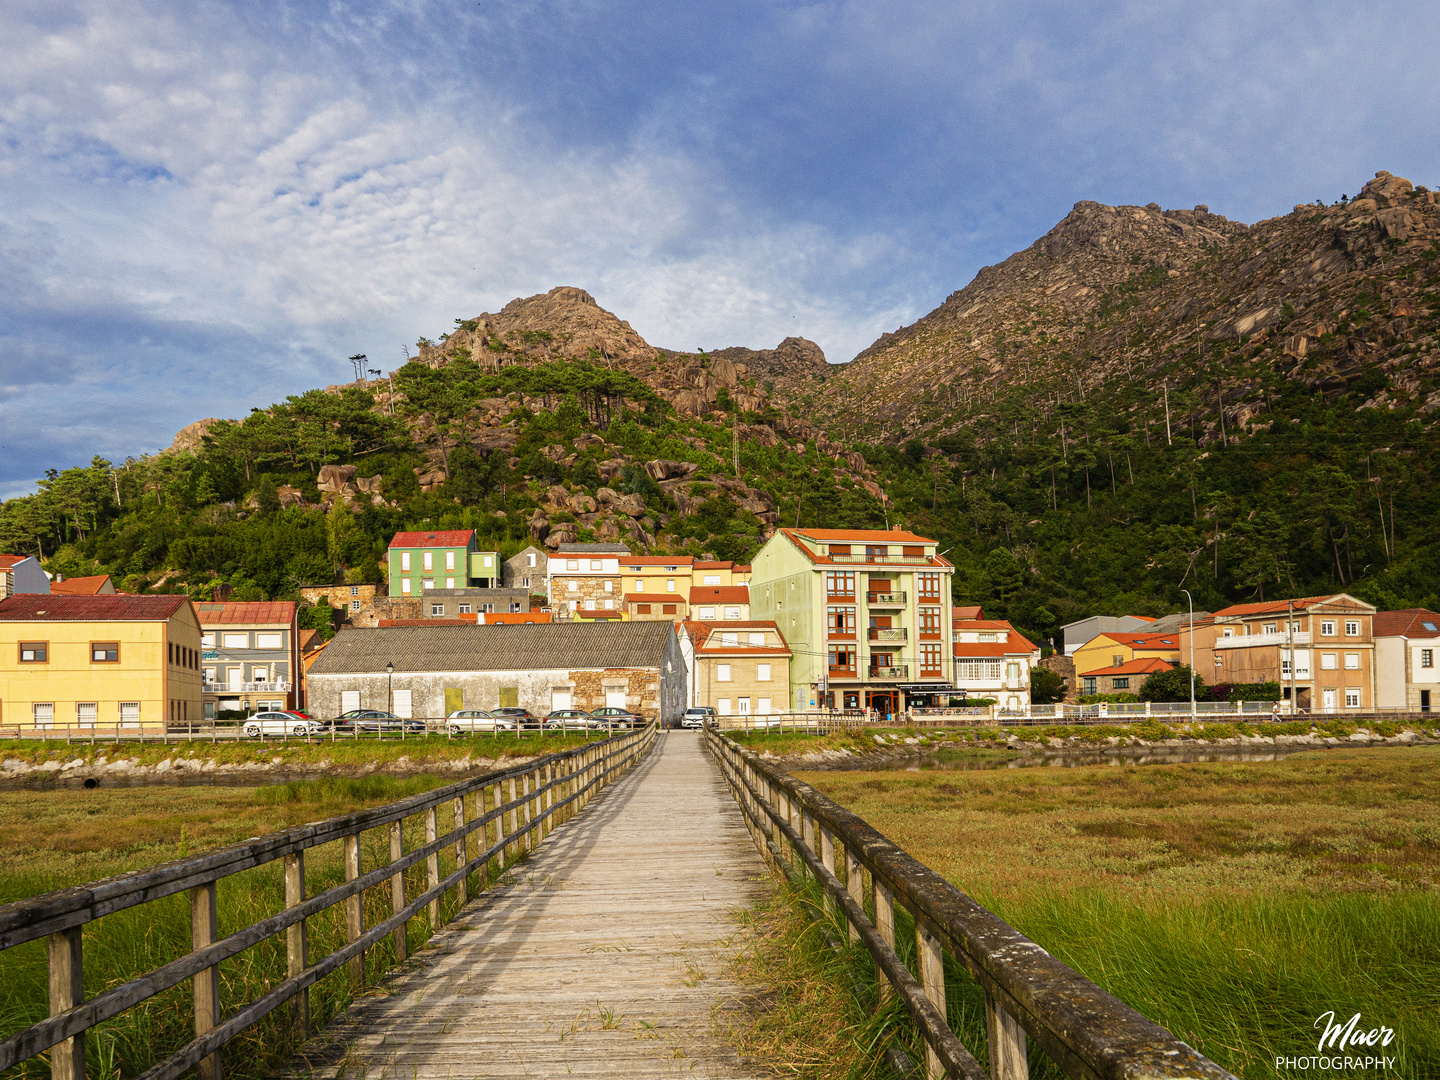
point(1087, 1032)
point(541, 795)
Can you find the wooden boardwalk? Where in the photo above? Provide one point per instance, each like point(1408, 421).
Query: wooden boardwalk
point(604, 954)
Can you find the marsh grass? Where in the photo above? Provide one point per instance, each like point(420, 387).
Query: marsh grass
point(72, 836)
point(1231, 903)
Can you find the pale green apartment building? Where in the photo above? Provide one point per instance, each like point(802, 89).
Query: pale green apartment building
point(866, 613)
point(440, 559)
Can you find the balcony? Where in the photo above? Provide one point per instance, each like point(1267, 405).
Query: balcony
point(842, 673)
point(885, 599)
point(881, 633)
point(914, 560)
point(902, 672)
point(277, 686)
point(1251, 641)
point(840, 597)
point(841, 635)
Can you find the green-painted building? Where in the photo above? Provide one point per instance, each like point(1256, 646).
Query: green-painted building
point(443, 559)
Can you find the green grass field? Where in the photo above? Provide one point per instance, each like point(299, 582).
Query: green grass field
point(1232, 903)
point(57, 838)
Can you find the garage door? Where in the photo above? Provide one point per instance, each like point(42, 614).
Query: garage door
point(560, 697)
point(402, 703)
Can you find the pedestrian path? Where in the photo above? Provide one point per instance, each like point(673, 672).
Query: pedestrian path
point(604, 954)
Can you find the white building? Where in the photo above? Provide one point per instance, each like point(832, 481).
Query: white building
point(22, 574)
point(1407, 644)
point(993, 660)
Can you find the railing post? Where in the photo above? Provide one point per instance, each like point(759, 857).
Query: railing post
point(499, 859)
point(855, 886)
point(514, 848)
point(932, 978)
point(397, 891)
point(67, 990)
point(462, 888)
point(827, 856)
point(885, 925)
point(296, 939)
point(547, 802)
point(525, 811)
point(432, 866)
point(354, 909)
point(203, 926)
point(1009, 1059)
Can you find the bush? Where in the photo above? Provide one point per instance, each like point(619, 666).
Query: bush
point(1172, 685)
point(1112, 699)
point(1046, 687)
point(1261, 691)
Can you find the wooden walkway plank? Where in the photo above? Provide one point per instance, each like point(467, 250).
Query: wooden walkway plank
point(604, 954)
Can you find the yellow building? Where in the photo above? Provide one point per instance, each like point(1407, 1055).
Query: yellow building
point(1117, 648)
point(99, 662)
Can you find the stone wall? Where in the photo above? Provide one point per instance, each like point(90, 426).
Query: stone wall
point(1064, 666)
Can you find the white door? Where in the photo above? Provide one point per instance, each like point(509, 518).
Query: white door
point(349, 700)
point(559, 698)
point(44, 713)
point(234, 676)
point(1328, 695)
point(402, 704)
point(723, 706)
point(130, 713)
point(86, 713)
point(615, 697)
point(744, 706)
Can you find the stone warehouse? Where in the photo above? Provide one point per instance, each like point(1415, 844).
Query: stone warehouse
point(634, 665)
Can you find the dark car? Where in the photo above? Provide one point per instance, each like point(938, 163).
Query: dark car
point(571, 720)
point(374, 721)
point(522, 717)
point(618, 718)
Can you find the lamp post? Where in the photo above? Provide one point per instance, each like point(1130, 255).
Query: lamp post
point(389, 687)
point(1192, 653)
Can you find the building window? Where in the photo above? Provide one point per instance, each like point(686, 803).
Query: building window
point(929, 586)
point(609, 586)
point(34, 652)
point(354, 590)
point(707, 614)
point(129, 714)
point(1352, 661)
point(405, 560)
point(667, 609)
point(842, 659)
point(840, 621)
point(589, 605)
point(1089, 684)
point(1012, 673)
point(609, 603)
point(840, 582)
point(1120, 682)
point(207, 641)
point(354, 605)
point(524, 582)
point(449, 560)
point(732, 613)
point(268, 641)
point(722, 672)
point(1268, 628)
point(640, 586)
point(530, 559)
point(597, 564)
point(762, 672)
point(104, 652)
point(86, 713)
point(427, 560)
point(1352, 628)
point(875, 552)
point(449, 582)
point(982, 670)
point(464, 609)
point(712, 579)
point(642, 609)
point(437, 609)
point(1427, 658)
point(930, 659)
point(572, 564)
point(43, 713)
point(1352, 697)
point(1327, 661)
point(730, 639)
point(1327, 628)
point(930, 620)
point(757, 639)
point(405, 586)
point(427, 583)
point(670, 585)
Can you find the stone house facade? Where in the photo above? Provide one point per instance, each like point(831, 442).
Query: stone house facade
point(529, 569)
point(737, 668)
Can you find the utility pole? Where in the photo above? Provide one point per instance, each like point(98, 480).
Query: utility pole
point(1290, 637)
point(1192, 653)
point(1165, 389)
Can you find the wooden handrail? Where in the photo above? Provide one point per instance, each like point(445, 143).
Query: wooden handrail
point(555, 786)
point(1087, 1032)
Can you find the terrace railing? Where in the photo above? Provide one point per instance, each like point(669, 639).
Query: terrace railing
point(1085, 1031)
point(523, 803)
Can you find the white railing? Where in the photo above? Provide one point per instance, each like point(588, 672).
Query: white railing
point(885, 598)
point(278, 686)
point(1250, 641)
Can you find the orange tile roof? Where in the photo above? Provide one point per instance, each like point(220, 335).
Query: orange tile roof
point(1016, 638)
point(458, 621)
point(705, 631)
point(657, 560)
point(720, 594)
point(267, 612)
point(653, 598)
point(969, 613)
point(44, 607)
point(894, 537)
point(989, 648)
point(713, 565)
point(1133, 667)
point(1270, 607)
point(1144, 641)
point(861, 536)
point(433, 539)
point(80, 586)
point(515, 618)
point(1408, 622)
point(7, 561)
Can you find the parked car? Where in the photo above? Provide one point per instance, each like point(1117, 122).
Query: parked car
point(281, 723)
point(697, 716)
point(469, 721)
point(618, 718)
point(522, 717)
point(374, 721)
point(570, 720)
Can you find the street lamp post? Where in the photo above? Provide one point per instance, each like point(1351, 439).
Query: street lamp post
point(389, 688)
point(1192, 653)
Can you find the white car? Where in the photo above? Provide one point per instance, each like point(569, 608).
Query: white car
point(281, 723)
point(472, 720)
point(696, 717)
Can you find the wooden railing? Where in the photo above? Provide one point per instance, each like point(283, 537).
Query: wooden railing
point(532, 798)
point(1088, 1033)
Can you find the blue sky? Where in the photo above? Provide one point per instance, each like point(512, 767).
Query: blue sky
point(206, 206)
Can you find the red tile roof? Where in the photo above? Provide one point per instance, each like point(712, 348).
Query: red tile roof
point(1144, 641)
point(1270, 607)
point(42, 607)
point(657, 560)
point(653, 598)
point(252, 612)
point(1408, 622)
point(720, 594)
point(1133, 667)
point(705, 632)
point(713, 565)
point(1017, 643)
point(80, 586)
point(969, 613)
point(455, 538)
point(7, 561)
point(989, 648)
point(861, 536)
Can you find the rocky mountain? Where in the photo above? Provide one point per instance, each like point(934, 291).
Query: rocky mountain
point(1147, 296)
point(794, 366)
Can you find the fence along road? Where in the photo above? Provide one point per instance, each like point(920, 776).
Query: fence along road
point(604, 956)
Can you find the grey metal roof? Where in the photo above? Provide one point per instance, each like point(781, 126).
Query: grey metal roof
point(473, 594)
point(527, 647)
point(593, 549)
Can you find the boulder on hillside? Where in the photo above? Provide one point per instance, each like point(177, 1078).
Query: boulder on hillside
point(557, 494)
point(607, 496)
point(290, 496)
point(191, 437)
point(1387, 186)
point(665, 469)
point(633, 505)
point(580, 504)
point(691, 402)
point(334, 477)
point(723, 373)
point(607, 530)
